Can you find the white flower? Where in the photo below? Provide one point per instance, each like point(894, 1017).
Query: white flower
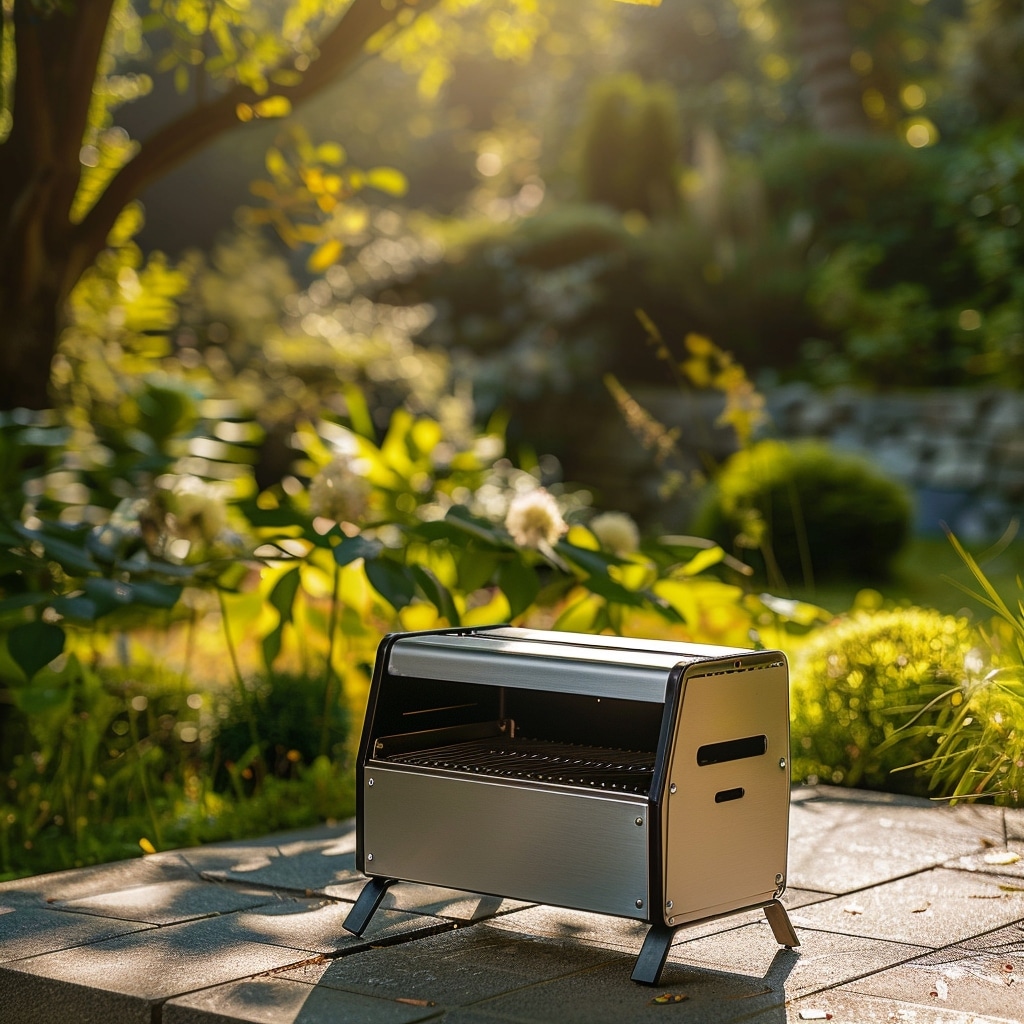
point(337, 492)
point(199, 511)
point(616, 532)
point(534, 519)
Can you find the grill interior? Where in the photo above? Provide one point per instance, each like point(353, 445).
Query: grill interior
point(568, 764)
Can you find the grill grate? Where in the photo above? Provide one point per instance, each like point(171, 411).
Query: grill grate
point(623, 771)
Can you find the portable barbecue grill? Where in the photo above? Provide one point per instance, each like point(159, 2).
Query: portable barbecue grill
point(639, 778)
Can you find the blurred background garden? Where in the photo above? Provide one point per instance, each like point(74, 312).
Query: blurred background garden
point(321, 319)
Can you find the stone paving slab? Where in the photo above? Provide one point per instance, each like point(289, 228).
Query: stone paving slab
point(845, 1007)
point(933, 908)
point(58, 886)
point(171, 902)
point(271, 1000)
point(889, 896)
point(122, 980)
point(983, 974)
point(831, 850)
point(28, 931)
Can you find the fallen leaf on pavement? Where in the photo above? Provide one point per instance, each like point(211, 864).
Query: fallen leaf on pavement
point(1001, 857)
point(669, 997)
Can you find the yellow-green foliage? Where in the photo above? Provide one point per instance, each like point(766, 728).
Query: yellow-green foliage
point(859, 680)
point(811, 511)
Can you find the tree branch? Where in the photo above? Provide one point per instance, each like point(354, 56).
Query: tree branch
point(171, 145)
point(87, 30)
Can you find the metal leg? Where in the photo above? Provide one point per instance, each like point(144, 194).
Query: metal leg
point(366, 905)
point(653, 954)
point(782, 927)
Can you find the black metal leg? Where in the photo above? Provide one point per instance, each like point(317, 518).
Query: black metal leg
point(653, 955)
point(782, 927)
point(366, 905)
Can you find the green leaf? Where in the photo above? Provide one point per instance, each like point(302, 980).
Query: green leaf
point(387, 179)
point(612, 591)
point(460, 517)
point(436, 593)
point(153, 594)
point(359, 414)
point(702, 560)
point(588, 560)
point(395, 583)
point(519, 583)
point(72, 557)
point(108, 594)
point(476, 568)
point(18, 601)
point(81, 608)
point(359, 546)
point(282, 597)
point(34, 645)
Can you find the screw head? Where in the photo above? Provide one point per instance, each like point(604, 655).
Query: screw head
point(782, 762)
point(780, 878)
point(639, 821)
point(669, 904)
point(639, 904)
point(369, 782)
point(672, 788)
point(369, 856)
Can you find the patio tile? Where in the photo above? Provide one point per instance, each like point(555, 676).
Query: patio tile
point(982, 975)
point(168, 902)
point(456, 968)
point(274, 1000)
point(823, 959)
point(933, 908)
point(996, 860)
point(318, 925)
point(121, 979)
point(78, 883)
point(842, 841)
point(28, 931)
point(304, 867)
point(846, 1007)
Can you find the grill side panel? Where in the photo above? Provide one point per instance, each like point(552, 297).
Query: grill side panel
point(517, 841)
point(726, 821)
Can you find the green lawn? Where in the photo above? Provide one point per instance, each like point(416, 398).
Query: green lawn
point(925, 574)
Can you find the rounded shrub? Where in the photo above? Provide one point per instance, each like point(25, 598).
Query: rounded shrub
point(856, 686)
point(806, 511)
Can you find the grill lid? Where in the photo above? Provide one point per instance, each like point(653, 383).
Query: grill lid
point(602, 666)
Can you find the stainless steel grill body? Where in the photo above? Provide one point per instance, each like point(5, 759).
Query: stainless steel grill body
point(638, 778)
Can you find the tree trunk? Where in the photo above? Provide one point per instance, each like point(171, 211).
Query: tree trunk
point(826, 46)
point(42, 251)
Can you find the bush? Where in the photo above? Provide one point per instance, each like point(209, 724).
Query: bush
point(630, 146)
point(859, 680)
point(811, 512)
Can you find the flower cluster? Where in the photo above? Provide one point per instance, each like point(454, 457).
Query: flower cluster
point(338, 492)
point(534, 519)
point(616, 532)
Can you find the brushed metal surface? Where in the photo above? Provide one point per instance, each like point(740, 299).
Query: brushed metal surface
point(524, 842)
point(726, 854)
point(536, 665)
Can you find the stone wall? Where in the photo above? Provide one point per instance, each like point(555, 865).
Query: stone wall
point(959, 452)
